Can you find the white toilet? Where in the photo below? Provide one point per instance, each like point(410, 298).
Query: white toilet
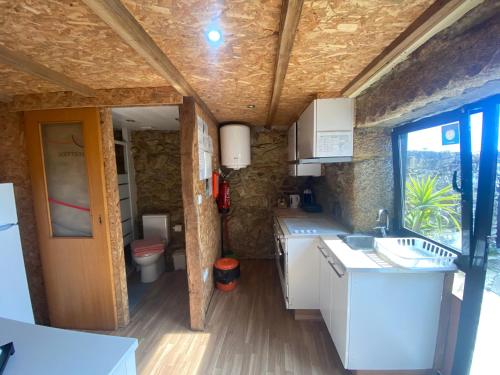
point(149, 252)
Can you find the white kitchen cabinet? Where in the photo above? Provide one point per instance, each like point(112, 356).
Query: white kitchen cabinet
point(302, 265)
point(313, 169)
point(339, 297)
point(325, 130)
point(380, 320)
point(325, 290)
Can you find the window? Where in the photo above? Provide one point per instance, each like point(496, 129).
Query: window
point(429, 163)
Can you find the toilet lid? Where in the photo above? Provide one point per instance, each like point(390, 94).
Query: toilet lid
point(147, 246)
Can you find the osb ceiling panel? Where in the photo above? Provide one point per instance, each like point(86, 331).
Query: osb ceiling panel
point(14, 82)
point(67, 37)
point(231, 76)
point(335, 40)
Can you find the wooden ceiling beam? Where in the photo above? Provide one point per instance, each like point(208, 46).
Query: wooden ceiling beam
point(118, 17)
point(437, 17)
point(24, 63)
point(290, 16)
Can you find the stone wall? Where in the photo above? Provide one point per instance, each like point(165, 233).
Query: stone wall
point(364, 186)
point(14, 168)
point(157, 164)
point(254, 194)
point(459, 65)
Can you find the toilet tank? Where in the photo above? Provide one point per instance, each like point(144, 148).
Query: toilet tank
point(156, 226)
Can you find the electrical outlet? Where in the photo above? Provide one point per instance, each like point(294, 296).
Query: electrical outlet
point(205, 275)
point(178, 228)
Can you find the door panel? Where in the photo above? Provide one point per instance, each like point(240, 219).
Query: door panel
point(66, 166)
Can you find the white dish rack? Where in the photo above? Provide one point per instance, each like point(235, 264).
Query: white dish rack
point(416, 253)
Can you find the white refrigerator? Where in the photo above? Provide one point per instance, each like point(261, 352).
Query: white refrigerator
point(15, 300)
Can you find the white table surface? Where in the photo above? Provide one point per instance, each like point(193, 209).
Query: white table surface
point(46, 350)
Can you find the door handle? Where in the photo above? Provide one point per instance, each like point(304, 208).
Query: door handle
point(454, 182)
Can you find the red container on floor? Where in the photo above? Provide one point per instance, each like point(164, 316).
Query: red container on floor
point(226, 274)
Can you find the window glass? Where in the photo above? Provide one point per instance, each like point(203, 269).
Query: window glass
point(431, 169)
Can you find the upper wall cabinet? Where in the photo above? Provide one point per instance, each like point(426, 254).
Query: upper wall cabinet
point(313, 169)
point(325, 130)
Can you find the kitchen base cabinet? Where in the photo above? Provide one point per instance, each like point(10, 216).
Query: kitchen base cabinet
point(380, 320)
point(302, 273)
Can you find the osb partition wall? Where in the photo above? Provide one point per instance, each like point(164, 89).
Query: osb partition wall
point(14, 168)
point(202, 222)
point(157, 164)
point(254, 194)
point(114, 217)
point(461, 64)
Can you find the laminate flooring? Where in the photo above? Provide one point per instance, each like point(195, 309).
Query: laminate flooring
point(248, 331)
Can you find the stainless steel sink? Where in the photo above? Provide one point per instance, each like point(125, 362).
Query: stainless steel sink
point(359, 241)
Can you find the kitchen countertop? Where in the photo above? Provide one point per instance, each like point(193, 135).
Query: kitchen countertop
point(47, 350)
point(351, 260)
point(298, 218)
point(360, 260)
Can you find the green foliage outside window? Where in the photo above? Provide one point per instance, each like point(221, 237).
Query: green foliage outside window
point(429, 210)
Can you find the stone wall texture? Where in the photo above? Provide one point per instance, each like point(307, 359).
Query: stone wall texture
point(254, 194)
point(14, 168)
point(157, 164)
point(364, 186)
point(459, 65)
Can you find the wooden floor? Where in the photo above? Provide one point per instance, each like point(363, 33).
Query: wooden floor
point(249, 331)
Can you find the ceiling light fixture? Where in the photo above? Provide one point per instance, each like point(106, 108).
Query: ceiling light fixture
point(251, 106)
point(214, 35)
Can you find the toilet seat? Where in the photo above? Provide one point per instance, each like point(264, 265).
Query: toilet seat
point(150, 246)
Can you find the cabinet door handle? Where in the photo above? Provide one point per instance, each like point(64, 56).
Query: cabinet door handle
point(321, 250)
point(332, 264)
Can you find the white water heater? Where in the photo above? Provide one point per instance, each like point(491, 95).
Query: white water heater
point(235, 145)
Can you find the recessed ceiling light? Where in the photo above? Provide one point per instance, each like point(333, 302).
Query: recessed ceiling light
point(251, 106)
point(214, 35)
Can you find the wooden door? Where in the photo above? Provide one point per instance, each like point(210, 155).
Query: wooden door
point(67, 172)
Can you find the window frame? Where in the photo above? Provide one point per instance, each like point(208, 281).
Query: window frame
point(462, 116)
point(458, 115)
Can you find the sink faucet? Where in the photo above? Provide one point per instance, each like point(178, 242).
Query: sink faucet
point(383, 229)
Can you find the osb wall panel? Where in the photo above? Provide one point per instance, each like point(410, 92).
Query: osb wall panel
point(202, 223)
point(209, 219)
point(335, 40)
point(228, 77)
point(67, 37)
point(254, 195)
point(461, 64)
point(14, 168)
point(157, 164)
point(114, 217)
point(18, 83)
point(104, 98)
